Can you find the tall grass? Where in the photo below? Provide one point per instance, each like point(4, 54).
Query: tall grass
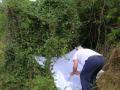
point(111, 78)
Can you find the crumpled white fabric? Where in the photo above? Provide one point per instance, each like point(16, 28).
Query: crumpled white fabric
point(61, 69)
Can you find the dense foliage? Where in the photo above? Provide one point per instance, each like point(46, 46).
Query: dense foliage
point(52, 28)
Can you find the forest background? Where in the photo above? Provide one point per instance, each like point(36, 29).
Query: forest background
point(53, 28)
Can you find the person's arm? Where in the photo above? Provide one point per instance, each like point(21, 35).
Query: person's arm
point(75, 65)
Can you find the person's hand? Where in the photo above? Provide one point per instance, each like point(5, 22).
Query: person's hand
point(72, 73)
point(77, 73)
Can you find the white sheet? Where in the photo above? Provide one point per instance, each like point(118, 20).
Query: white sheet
point(62, 67)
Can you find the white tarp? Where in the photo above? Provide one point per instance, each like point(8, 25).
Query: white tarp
point(62, 67)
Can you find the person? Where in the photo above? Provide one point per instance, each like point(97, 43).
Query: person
point(92, 62)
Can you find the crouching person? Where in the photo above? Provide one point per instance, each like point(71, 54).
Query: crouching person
point(92, 62)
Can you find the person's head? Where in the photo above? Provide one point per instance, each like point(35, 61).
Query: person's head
point(79, 47)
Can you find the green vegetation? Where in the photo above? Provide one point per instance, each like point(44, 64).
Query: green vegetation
point(52, 28)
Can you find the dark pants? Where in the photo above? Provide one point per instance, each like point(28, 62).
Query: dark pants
point(89, 72)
